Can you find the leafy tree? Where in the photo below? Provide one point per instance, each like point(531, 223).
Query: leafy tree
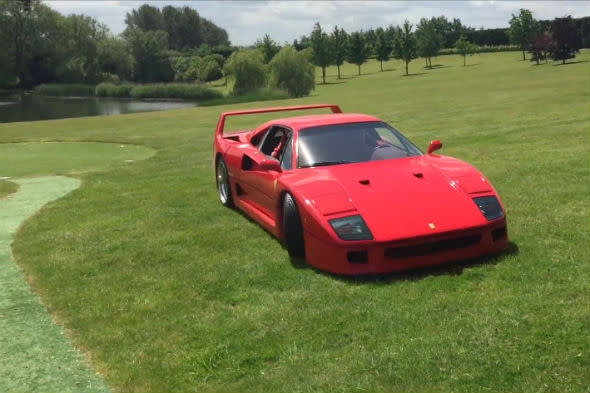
point(405, 46)
point(450, 31)
point(212, 34)
point(82, 37)
point(148, 48)
point(247, 69)
point(541, 47)
point(429, 40)
point(567, 39)
point(31, 43)
point(390, 33)
point(357, 50)
point(268, 47)
point(465, 48)
point(183, 27)
point(115, 58)
point(292, 71)
point(322, 49)
point(146, 18)
point(370, 37)
point(383, 49)
point(339, 46)
point(523, 28)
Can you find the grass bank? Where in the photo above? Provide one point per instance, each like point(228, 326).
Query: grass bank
point(169, 291)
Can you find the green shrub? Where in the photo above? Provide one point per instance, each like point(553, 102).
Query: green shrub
point(247, 69)
point(210, 71)
point(292, 71)
point(113, 90)
point(174, 90)
point(56, 89)
point(217, 57)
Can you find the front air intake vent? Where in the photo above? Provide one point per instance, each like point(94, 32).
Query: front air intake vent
point(432, 247)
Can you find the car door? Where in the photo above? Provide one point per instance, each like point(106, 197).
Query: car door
point(260, 182)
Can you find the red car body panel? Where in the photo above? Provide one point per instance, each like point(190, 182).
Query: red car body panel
point(420, 210)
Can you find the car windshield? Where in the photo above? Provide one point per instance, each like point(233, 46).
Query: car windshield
point(351, 142)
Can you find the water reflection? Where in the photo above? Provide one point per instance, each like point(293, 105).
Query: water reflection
point(29, 107)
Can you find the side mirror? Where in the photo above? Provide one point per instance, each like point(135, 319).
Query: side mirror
point(270, 165)
point(434, 145)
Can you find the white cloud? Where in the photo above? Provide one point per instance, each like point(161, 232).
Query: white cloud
point(246, 21)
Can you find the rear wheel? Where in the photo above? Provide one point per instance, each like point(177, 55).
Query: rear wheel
point(292, 228)
point(223, 187)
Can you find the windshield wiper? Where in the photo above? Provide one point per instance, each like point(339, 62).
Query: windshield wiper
point(325, 163)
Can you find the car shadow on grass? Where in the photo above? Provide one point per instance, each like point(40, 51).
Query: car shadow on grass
point(450, 269)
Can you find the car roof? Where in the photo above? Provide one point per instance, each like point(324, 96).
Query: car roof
point(300, 122)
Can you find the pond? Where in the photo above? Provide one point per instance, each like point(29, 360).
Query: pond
point(28, 107)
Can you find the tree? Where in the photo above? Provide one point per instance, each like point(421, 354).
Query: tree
point(247, 69)
point(183, 27)
point(450, 31)
point(322, 49)
point(339, 47)
point(523, 29)
point(268, 47)
point(382, 49)
point(567, 39)
point(146, 18)
point(357, 50)
point(82, 37)
point(429, 40)
point(405, 47)
point(465, 48)
point(541, 47)
point(370, 37)
point(291, 71)
point(114, 57)
point(148, 48)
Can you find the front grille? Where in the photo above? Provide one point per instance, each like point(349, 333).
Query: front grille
point(432, 247)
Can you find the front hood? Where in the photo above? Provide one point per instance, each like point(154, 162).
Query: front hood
point(403, 198)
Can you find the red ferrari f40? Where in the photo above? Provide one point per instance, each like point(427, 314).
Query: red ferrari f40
point(352, 195)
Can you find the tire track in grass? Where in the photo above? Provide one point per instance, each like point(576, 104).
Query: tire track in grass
point(34, 353)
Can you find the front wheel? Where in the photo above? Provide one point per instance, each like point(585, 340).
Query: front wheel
point(292, 228)
point(223, 186)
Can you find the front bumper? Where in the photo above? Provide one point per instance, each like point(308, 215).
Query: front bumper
point(372, 257)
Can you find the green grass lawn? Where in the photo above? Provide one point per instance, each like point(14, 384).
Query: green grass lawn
point(169, 291)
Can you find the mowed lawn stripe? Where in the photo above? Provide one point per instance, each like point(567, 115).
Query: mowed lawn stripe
point(35, 355)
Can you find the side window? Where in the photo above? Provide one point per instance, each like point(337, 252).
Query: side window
point(287, 160)
point(390, 137)
point(272, 140)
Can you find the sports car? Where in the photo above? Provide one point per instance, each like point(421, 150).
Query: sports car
point(352, 195)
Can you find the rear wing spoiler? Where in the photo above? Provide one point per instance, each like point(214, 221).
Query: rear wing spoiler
point(221, 123)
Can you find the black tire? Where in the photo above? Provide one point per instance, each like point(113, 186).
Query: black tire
point(223, 187)
point(292, 228)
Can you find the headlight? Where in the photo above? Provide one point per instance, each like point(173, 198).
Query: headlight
point(351, 228)
point(489, 206)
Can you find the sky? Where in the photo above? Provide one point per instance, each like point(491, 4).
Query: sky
point(284, 21)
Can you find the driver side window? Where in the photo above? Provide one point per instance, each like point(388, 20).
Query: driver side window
point(274, 142)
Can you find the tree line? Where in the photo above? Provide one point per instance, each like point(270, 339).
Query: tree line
point(559, 40)
point(39, 45)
